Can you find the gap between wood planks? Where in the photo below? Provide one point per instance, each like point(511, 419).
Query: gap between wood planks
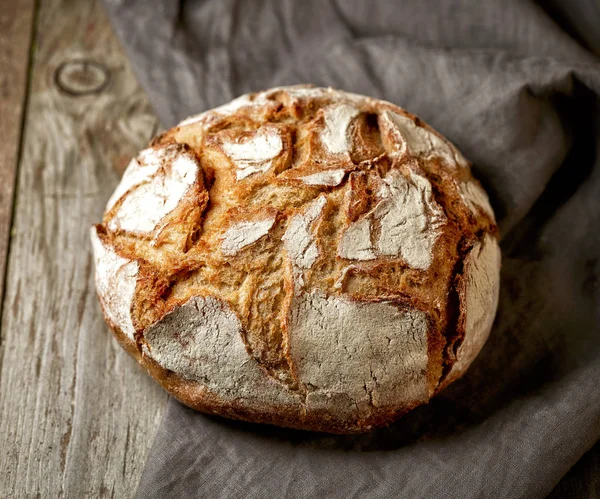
point(17, 25)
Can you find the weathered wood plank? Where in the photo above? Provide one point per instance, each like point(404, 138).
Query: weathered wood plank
point(77, 416)
point(16, 22)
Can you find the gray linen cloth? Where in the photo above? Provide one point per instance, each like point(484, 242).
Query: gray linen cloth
point(519, 94)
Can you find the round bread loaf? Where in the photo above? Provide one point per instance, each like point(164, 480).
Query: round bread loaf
point(302, 256)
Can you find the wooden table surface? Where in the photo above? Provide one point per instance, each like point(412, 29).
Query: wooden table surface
point(77, 416)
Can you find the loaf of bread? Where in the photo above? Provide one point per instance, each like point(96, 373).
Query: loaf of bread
point(301, 256)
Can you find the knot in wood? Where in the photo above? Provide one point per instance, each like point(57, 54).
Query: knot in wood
point(81, 77)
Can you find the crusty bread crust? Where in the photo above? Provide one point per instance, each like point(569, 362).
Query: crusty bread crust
point(302, 257)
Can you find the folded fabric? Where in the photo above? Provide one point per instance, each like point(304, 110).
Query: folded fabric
point(521, 98)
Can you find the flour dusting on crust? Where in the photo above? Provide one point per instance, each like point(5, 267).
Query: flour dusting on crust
point(300, 242)
point(475, 198)
point(356, 243)
point(329, 178)
point(409, 220)
point(357, 354)
point(200, 340)
point(245, 233)
point(481, 288)
point(401, 135)
point(298, 93)
point(254, 153)
point(335, 135)
point(135, 174)
point(149, 202)
point(139, 170)
point(116, 279)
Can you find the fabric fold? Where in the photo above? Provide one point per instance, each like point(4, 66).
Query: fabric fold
point(521, 98)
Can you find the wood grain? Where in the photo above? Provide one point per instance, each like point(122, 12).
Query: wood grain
point(77, 416)
point(16, 22)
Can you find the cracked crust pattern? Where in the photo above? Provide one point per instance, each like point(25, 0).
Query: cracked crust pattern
point(302, 256)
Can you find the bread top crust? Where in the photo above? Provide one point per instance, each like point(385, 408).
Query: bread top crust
point(302, 247)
